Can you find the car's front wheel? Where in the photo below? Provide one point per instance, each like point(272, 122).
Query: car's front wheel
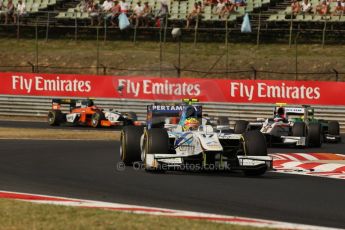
point(156, 141)
point(130, 144)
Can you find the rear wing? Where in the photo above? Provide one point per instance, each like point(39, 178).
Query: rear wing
point(56, 103)
point(159, 113)
point(73, 103)
point(297, 110)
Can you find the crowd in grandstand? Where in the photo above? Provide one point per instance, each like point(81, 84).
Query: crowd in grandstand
point(323, 8)
point(143, 15)
point(110, 11)
point(10, 11)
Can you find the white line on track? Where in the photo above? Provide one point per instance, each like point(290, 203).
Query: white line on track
point(156, 211)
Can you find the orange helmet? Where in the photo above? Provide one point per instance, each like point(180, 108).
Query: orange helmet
point(191, 124)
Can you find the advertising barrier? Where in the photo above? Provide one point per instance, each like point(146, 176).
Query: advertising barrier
point(155, 88)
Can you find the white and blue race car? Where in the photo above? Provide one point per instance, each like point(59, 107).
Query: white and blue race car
point(191, 144)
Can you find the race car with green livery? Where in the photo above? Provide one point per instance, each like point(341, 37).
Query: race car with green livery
point(190, 143)
point(295, 126)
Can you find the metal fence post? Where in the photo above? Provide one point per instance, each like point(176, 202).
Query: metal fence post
point(196, 29)
point(160, 52)
point(104, 69)
point(32, 67)
point(105, 30)
point(165, 27)
point(18, 18)
point(135, 34)
point(75, 28)
point(290, 36)
point(336, 74)
point(97, 59)
point(179, 57)
point(254, 72)
point(227, 48)
point(258, 33)
point(296, 56)
point(36, 47)
point(47, 29)
point(324, 33)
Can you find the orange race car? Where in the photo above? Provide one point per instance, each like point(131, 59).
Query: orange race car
point(84, 112)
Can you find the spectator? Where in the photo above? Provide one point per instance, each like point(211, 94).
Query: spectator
point(115, 12)
point(138, 12)
point(89, 6)
point(21, 11)
point(322, 8)
point(240, 3)
point(162, 13)
point(147, 14)
point(2, 9)
point(124, 6)
point(83, 6)
point(338, 9)
point(194, 14)
point(227, 9)
point(210, 2)
point(219, 7)
point(295, 7)
point(95, 14)
point(164, 10)
point(9, 11)
point(106, 9)
point(306, 7)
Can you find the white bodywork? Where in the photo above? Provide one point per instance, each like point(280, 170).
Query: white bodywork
point(281, 130)
point(197, 142)
point(111, 116)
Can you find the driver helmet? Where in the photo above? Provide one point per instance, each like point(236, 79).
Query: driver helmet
point(280, 115)
point(281, 112)
point(191, 124)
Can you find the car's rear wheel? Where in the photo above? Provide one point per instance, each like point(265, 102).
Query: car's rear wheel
point(97, 118)
point(314, 135)
point(299, 129)
point(156, 140)
point(333, 128)
point(130, 144)
point(255, 145)
point(55, 117)
point(240, 126)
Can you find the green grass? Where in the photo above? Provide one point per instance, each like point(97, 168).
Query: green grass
point(146, 55)
point(25, 215)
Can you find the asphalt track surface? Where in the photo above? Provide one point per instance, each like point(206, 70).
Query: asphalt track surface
point(87, 170)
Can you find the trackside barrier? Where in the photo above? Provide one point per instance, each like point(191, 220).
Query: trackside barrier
point(36, 106)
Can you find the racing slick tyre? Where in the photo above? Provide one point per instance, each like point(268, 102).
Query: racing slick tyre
point(314, 135)
point(255, 145)
point(97, 118)
point(55, 117)
point(299, 129)
point(130, 150)
point(156, 140)
point(333, 128)
point(241, 126)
